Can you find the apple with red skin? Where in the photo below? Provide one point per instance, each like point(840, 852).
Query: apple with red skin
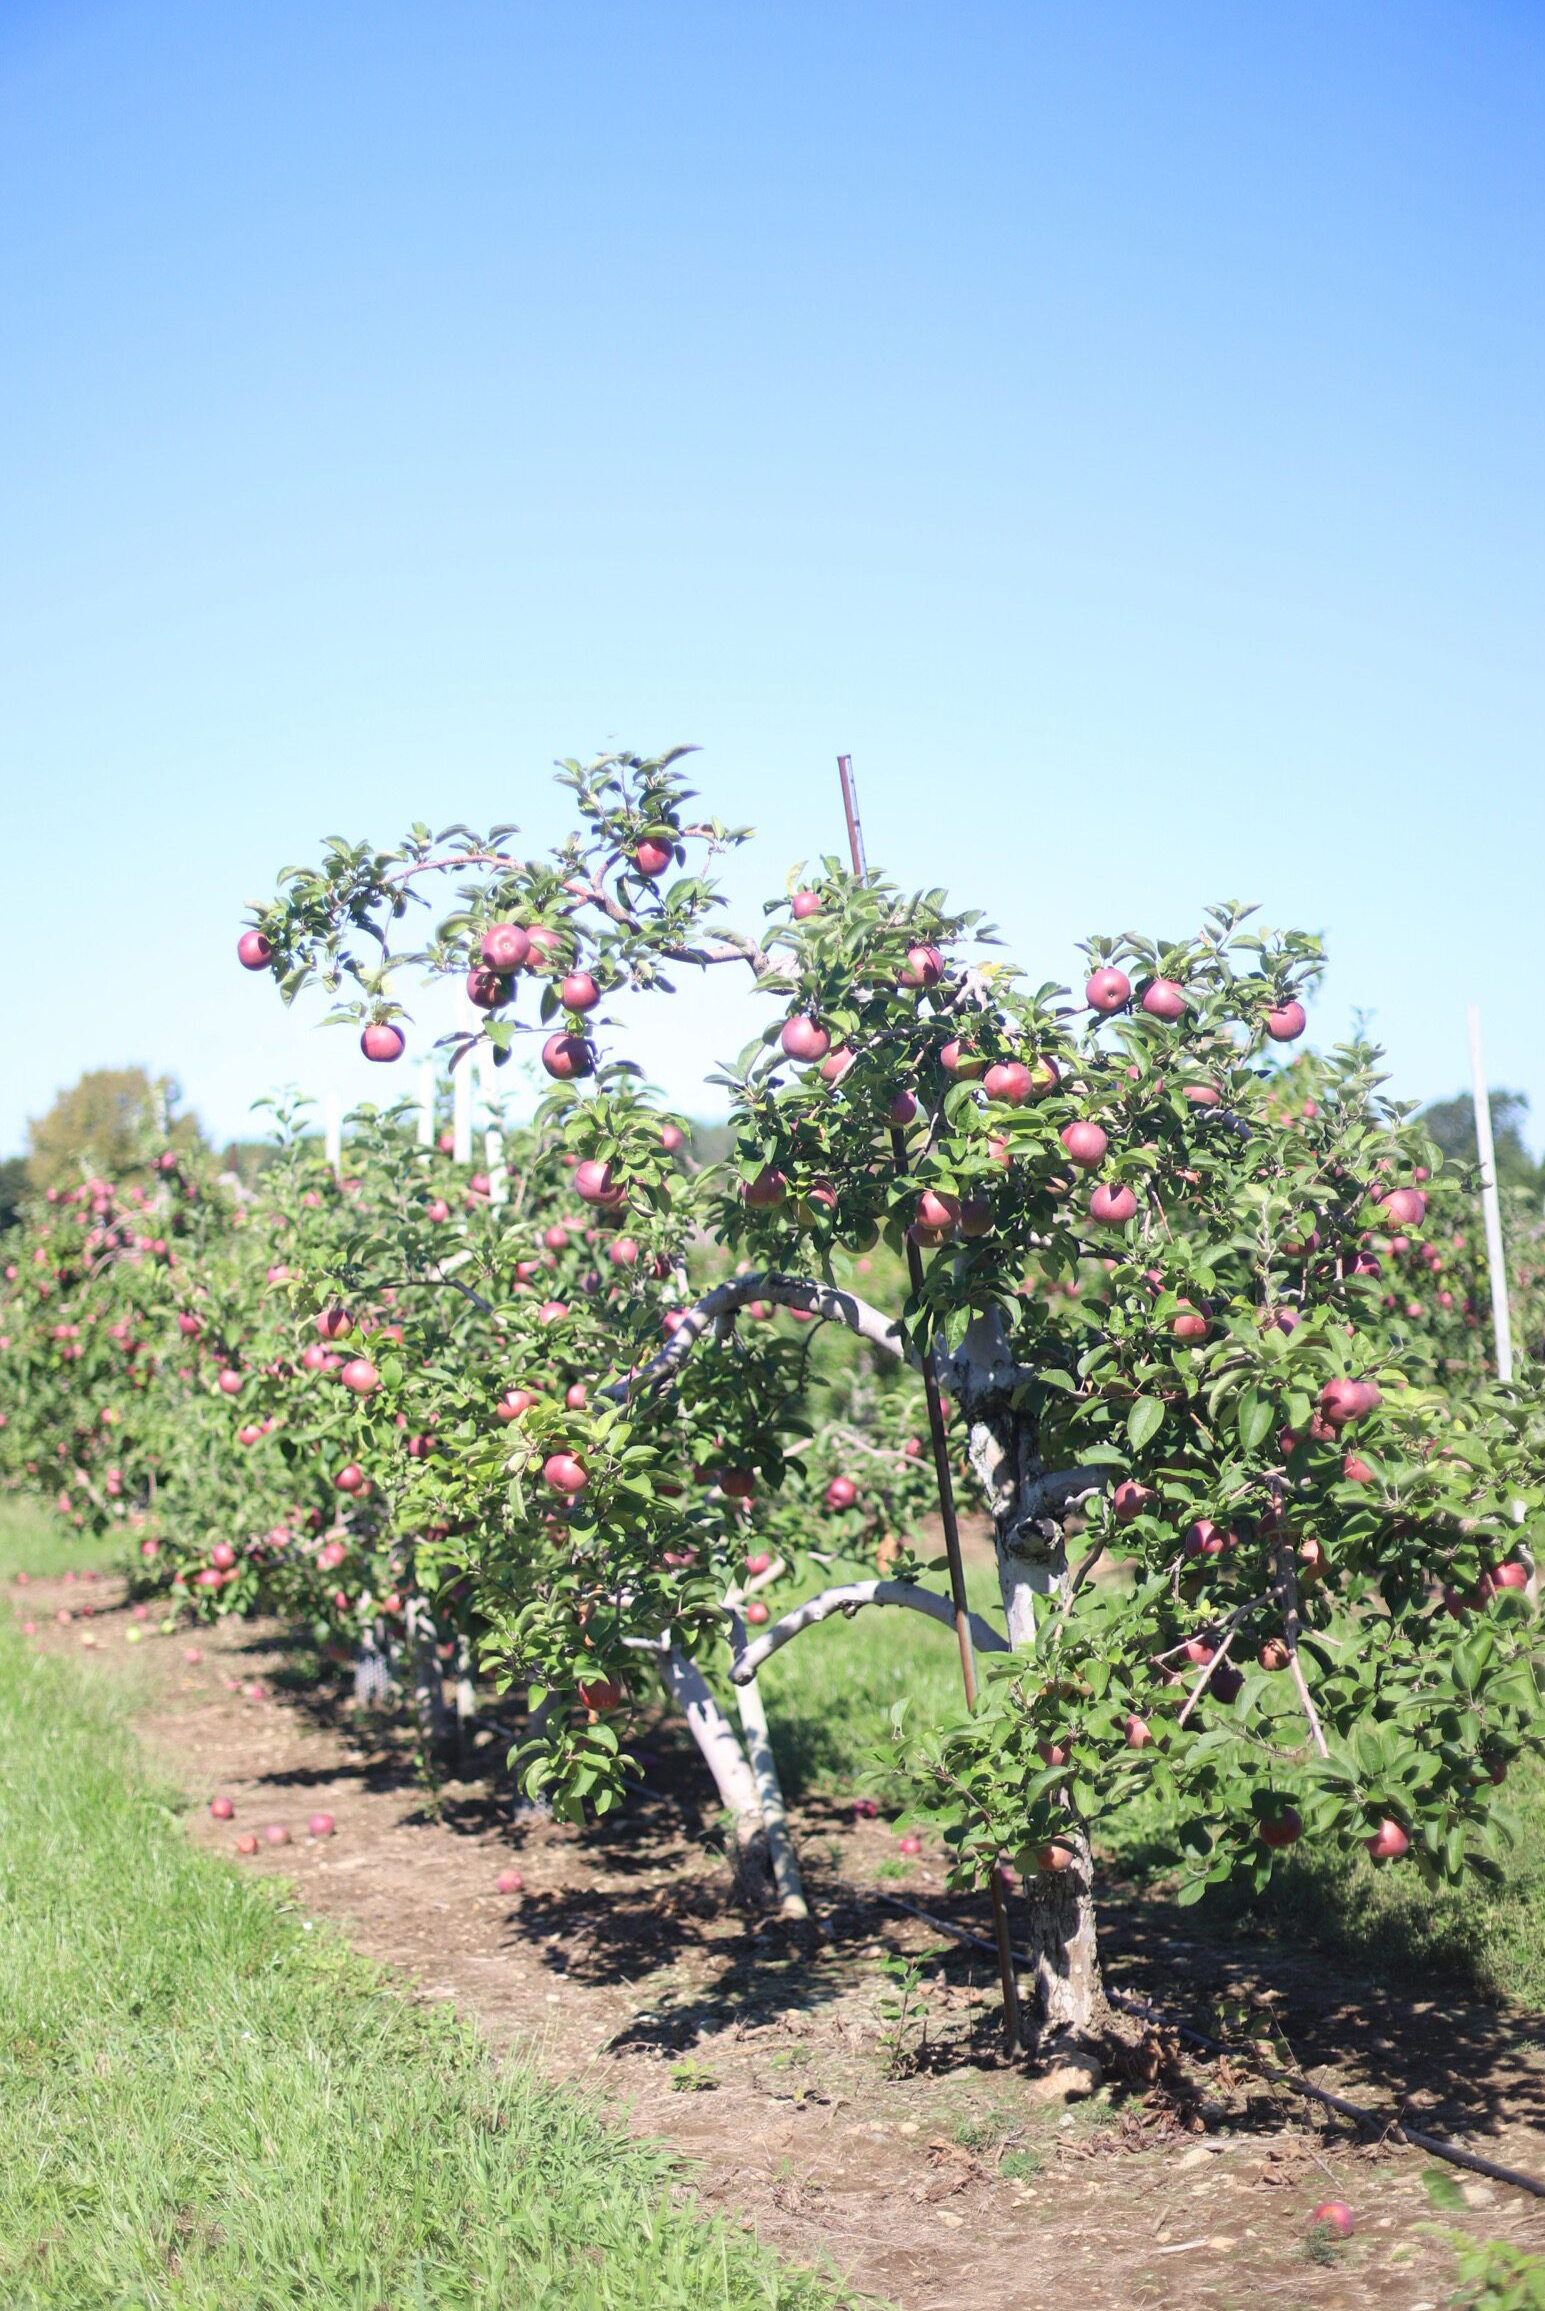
point(567, 1058)
point(566, 1473)
point(547, 948)
point(1129, 1500)
point(505, 948)
point(437, 1209)
point(1188, 1324)
point(513, 1403)
point(1198, 1651)
point(360, 1376)
point(1108, 990)
point(1343, 1401)
point(1404, 1208)
point(334, 1324)
point(1112, 1206)
point(1008, 1080)
point(1226, 1683)
point(672, 1138)
point(189, 1326)
point(1285, 1022)
point(803, 1040)
point(350, 1478)
point(246, 1843)
point(805, 904)
point(756, 1612)
point(579, 992)
point(222, 1556)
point(1511, 1575)
point(1055, 1857)
point(230, 1382)
point(1281, 1830)
point(652, 857)
point(1335, 2215)
point(836, 1064)
point(924, 967)
point(957, 1058)
point(321, 1825)
point(1205, 1539)
point(487, 990)
point(1274, 1654)
point(910, 1845)
point(1164, 999)
point(1055, 1752)
point(382, 1042)
point(509, 1882)
point(1136, 1732)
point(221, 1808)
point(622, 1252)
point(276, 1835)
point(841, 1493)
point(1202, 1094)
point(1356, 1471)
point(253, 951)
point(936, 1210)
point(767, 1191)
point(1389, 1841)
point(1085, 1142)
point(596, 1183)
point(902, 1110)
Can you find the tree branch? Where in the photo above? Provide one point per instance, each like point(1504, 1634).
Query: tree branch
point(848, 1599)
point(823, 1300)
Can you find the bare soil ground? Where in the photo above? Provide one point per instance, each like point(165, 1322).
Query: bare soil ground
point(912, 2163)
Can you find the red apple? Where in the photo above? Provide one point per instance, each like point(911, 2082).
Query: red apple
point(223, 1556)
point(276, 1835)
point(1107, 990)
point(253, 951)
point(513, 1403)
point(805, 904)
point(487, 990)
point(924, 967)
point(672, 1138)
point(567, 1057)
point(1205, 1539)
point(334, 1323)
point(1388, 1842)
point(936, 1210)
point(1356, 1471)
point(902, 1110)
point(1129, 1500)
point(836, 1064)
point(910, 1845)
point(547, 948)
point(1335, 2215)
point(1009, 1081)
point(246, 1843)
point(758, 1562)
point(552, 1311)
point(361, 1376)
point(1055, 1856)
point(1112, 1205)
point(841, 1493)
point(510, 1881)
point(230, 1382)
point(383, 1042)
point(350, 1478)
point(221, 1808)
point(595, 1183)
point(1274, 1654)
point(1279, 1830)
point(1285, 1022)
point(1136, 1732)
point(565, 1473)
point(1164, 999)
point(321, 1825)
point(767, 1191)
point(958, 1058)
point(579, 992)
point(1085, 1142)
point(505, 948)
point(756, 1612)
point(1188, 1324)
point(803, 1040)
point(1343, 1401)
point(652, 857)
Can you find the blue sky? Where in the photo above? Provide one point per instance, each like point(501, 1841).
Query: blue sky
point(1117, 426)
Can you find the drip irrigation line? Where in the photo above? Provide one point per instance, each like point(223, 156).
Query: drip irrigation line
point(1454, 2152)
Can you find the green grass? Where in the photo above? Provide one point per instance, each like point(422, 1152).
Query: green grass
point(209, 2103)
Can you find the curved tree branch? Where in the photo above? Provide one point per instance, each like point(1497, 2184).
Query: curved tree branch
point(848, 1599)
point(824, 1300)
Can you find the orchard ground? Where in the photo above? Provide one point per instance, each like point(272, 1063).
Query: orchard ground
point(895, 2148)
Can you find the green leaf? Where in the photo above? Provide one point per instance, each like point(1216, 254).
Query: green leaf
point(1254, 1418)
point(1144, 1421)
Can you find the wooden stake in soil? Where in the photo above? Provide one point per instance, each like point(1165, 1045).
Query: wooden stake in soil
point(1012, 2038)
point(1501, 1325)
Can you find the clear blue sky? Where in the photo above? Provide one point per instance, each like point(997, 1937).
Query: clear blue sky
point(1119, 426)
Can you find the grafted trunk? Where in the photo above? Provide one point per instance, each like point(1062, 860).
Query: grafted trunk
point(436, 1727)
point(1032, 1563)
point(732, 1776)
point(780, 1845)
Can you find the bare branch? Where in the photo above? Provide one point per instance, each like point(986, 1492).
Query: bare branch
point(848, 1599)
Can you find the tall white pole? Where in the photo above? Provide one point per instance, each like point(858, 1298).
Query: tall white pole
point(332, 1129)
point(1500, 1323)
point(426, 1103)
point(461, 1083)
point(492, 1117)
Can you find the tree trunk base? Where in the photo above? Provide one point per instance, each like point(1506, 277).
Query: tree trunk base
point(1069, 2006)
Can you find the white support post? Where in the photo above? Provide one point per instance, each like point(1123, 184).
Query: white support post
point(491, 1107)
point(332, 1129)
point(1501, 1325)
point(426, 1103)
point(461, 1084)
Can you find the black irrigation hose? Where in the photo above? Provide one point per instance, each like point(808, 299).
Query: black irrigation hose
point(1453, 2152)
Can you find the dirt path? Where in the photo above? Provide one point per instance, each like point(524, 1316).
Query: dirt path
point(624, 1964)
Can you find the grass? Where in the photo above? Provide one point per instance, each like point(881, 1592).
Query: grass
point(207, 2103)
